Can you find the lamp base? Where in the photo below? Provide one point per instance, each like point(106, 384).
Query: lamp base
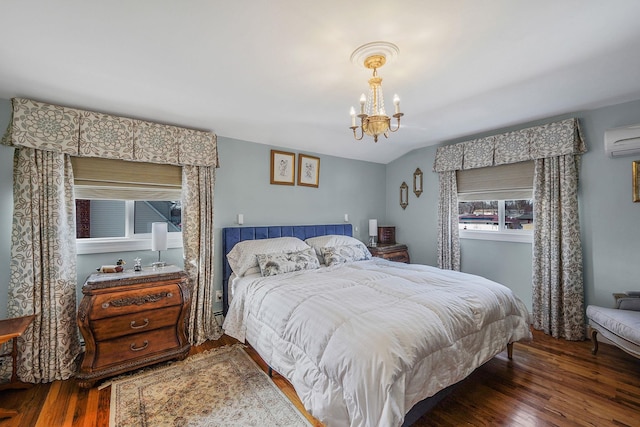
point(158, 264)
point(372, 241)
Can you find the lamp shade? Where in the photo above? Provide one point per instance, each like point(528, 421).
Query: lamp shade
point(373, 227)
point(159, 236)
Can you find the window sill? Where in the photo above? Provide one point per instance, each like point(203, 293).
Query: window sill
point(497, 236)
point(106, 245)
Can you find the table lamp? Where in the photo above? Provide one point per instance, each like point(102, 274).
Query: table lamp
point(373, 231)
point(158, 241)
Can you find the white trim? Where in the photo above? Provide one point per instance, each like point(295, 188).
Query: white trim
point(500, 236)
point(139, 242)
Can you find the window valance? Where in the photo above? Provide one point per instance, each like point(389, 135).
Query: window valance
point(90, 134)
point(550, 140)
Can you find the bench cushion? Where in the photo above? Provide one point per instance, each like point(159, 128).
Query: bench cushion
point(622, 324)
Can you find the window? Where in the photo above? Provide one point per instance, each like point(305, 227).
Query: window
point(117, 201)
point(496, 203)
point(124, 225)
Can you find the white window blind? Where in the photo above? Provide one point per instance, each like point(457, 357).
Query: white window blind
point(505, 182)
point(112, 179)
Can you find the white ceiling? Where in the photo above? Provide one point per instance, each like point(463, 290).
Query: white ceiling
point(278, 71)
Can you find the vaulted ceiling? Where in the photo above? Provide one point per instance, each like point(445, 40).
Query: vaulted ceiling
point(278, 72)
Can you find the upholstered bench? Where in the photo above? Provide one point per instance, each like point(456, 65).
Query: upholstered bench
point(620, 325)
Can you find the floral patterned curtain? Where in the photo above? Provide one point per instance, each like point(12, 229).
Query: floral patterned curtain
point(558, 292)
point(197, 234)
point(43, 269)
point(448, 240)
point(43, 266)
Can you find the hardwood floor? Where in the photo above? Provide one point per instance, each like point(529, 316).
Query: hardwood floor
point(549, 382)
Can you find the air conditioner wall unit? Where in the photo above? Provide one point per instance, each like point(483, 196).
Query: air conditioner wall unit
point(622, 141)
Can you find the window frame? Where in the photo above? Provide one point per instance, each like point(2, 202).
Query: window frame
point(129, 242)
point(502, 234)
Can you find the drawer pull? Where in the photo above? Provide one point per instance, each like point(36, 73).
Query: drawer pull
point(134, 348)
point(134, 326)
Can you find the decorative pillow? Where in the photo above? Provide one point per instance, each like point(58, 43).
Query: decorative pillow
point(331, 240)
point(278, 263)
point(243, 255)
point(345, 253)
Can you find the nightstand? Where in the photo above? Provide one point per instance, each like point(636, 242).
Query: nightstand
point(132, 319)
point(393, 252)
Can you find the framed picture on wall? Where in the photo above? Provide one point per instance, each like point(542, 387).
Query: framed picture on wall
point(283, 166)
point(308, 170)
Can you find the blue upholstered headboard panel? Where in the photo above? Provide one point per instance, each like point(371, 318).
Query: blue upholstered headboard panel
point(233, 235)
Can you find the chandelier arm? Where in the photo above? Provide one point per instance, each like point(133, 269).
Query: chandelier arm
point(397, 116)
point(353, 128)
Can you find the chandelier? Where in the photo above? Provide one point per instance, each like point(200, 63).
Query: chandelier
point(373, 117)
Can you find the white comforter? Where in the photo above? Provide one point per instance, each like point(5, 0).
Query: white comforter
point(363, 342)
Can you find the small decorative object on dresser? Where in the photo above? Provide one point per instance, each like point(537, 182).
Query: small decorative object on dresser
point(386, 234)
point(132, 319)
point(392, 252)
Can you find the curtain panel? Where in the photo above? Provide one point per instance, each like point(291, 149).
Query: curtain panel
point(558, 290)
point(197, 235)
point(43, 264)
point(550, 140)
point(83, 133)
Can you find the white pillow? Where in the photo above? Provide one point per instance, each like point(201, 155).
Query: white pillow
point(331, 240)
point(243, 255)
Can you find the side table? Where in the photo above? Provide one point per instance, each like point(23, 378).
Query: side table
point(12, 329)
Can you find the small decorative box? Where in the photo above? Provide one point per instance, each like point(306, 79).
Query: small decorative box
point(386, 235)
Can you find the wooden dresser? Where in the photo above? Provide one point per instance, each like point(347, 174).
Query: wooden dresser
point(132, 319)
point(392, 252)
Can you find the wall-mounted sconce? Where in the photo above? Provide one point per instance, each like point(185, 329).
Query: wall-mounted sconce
point(404, 195)
point(240, 219)
point(417, 182)
point(346, 217)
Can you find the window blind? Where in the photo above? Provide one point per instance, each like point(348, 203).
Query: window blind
point(505, 182)
point(112, 179)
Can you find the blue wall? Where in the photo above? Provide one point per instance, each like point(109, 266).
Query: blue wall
point(364, 190)
point(242, 186)
point(608, 217)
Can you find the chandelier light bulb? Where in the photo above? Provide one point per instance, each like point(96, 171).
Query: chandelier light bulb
point(352, 112)
point(363, 100)
point(396, 102)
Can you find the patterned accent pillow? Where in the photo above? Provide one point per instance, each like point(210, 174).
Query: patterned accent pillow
point(278, 263)
point(242, 258)
point(345, 253)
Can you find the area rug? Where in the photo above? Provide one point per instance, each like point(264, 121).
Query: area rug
point(221, 387)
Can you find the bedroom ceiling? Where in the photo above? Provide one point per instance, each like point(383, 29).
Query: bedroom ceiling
point(278, 72)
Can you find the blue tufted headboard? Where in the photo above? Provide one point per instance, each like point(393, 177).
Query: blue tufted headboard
point(233, 235)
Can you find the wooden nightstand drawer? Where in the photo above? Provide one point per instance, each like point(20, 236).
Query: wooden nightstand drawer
point(118, 303)
point(135, 346)
point(112, 327)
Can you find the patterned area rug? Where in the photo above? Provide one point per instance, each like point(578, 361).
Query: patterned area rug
point(221, 387)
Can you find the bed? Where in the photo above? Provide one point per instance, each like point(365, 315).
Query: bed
point(362, 340)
